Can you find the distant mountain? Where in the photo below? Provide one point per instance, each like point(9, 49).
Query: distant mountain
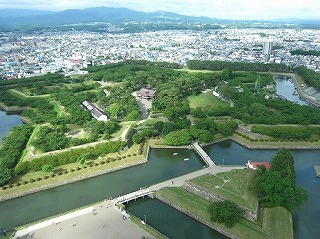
point(100, 14)
point(123, 18)
point(22, 12)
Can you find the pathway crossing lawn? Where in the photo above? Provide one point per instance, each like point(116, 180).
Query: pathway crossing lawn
point(277, 222)
point(233, 185)
point(206, 99)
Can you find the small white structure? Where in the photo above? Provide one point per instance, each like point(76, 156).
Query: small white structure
point(255, 165)
point(95, 112)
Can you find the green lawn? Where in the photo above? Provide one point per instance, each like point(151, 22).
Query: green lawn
point(276, 223)
point(228, 186)
point(199, 208)
point(206, 99)
point(273, 222)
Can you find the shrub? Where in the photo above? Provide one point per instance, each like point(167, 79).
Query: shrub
point(225, 212)
point(31, 180)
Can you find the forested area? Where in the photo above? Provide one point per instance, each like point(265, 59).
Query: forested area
point(305, 53)
point(236, 66)
point(71, 156)
point(245, 91)
point(310, 77)
point(277, 187)
point(288, 132)
point(11, 151)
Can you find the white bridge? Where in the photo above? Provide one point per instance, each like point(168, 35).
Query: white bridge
point(203, 154)
point(132, 196)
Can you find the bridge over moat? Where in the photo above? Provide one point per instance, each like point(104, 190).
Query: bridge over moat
point(203, 154)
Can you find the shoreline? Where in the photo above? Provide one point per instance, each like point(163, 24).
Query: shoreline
point(302, 95)
point(218, 229)
point(240, 142)
point(12, 109)
point(24, 193)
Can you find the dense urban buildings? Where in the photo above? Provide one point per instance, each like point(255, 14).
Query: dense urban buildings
point(24, 55)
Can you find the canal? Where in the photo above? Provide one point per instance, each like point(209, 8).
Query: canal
point(286, 88)
point(162, 165)
point(229, 153)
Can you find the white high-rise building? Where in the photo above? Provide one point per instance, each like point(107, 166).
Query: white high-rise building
point(267, 48)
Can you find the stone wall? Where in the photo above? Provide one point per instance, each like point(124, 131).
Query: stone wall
point(248, 214)
point(218, 229)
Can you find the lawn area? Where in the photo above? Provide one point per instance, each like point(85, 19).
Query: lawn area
point(206, 99)
point(199, 208)
point(278, 222)
point(150, 122)
point(229, 186)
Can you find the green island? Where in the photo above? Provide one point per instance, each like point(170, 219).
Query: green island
point(154, 104)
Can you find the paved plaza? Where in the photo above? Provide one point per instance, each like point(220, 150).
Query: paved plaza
point(100, 221)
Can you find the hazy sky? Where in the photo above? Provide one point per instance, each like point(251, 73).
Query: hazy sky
point(227, 9)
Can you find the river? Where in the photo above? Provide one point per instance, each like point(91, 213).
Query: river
point(7, 121)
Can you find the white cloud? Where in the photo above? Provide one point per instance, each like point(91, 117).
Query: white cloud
point(228, 9)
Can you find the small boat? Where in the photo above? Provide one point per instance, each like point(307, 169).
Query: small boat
point(186, 159)
point(175, 153)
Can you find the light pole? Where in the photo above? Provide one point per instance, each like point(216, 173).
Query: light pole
point(145, 219)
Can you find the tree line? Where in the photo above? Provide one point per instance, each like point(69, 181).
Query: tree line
point(11, 151)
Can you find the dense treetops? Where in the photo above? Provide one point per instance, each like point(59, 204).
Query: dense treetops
point(277, 187)
point(236, 66)
point(11, 151)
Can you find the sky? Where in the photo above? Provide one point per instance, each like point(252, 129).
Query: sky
point(224, 9)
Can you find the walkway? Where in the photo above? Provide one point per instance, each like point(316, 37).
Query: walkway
point(175, 182)
point(132, 196)
point(100, 221)
point(203, 154)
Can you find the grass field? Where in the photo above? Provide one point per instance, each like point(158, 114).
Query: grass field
point(228, 186)
point(199, 208)
point(273, 222)
point(276, 223)
point(206, 99)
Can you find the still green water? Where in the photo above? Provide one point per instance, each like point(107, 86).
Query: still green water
point(162, 166)
point(169, 221)
point(7, 121)
point(229, 153)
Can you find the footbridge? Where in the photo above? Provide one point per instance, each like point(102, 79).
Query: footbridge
point(203, 154)
point(132, 196)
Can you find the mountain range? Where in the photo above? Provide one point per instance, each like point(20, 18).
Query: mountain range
point(18, 17)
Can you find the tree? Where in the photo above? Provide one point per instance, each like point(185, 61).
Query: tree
point(47, 168)
point(179, 137)
point(225, 212)
point(114, 110)
point(283, 162)
point(277, 187)
point(137, 138)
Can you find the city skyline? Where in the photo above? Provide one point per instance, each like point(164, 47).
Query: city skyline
point(223, 9)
